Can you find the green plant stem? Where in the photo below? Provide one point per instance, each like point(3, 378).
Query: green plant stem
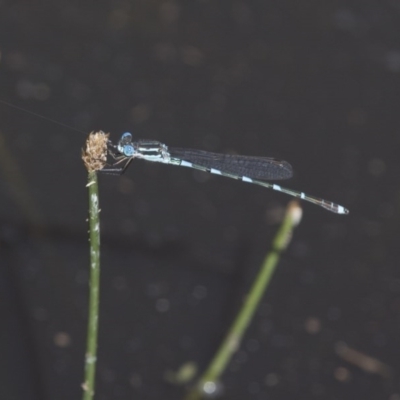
point(94, 287)
point(209, 380)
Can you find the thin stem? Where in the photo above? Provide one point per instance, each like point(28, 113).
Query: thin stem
point(91, 344)
point(208, 382)
point(94, 158)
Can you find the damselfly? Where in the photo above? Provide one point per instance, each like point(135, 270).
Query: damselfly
point(245, 168)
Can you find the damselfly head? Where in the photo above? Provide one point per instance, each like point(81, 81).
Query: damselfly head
point(125, 145)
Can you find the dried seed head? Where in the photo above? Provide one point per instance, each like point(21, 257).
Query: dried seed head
point(95, 154)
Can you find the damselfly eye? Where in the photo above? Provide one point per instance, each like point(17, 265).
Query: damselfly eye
point(128, 150)
point(126, 137)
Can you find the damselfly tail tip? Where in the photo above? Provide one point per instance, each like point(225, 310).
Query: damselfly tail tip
point(336, 208)
point(344, 211)
point(340, 209)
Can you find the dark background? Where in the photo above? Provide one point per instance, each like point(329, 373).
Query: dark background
point(315, 83)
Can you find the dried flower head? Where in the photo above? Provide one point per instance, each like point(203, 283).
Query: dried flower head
point(95, 154)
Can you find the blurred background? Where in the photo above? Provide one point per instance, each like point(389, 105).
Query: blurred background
point(313, 83)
